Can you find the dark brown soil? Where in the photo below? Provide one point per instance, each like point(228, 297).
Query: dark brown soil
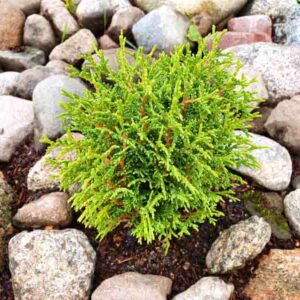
point(119, 252)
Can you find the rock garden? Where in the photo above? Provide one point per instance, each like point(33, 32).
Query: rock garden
point(149, 149)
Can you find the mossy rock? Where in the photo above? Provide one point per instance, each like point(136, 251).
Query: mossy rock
point(269, 207)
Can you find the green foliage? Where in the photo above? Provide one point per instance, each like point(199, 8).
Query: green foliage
point(159, 140)
point(70, 6)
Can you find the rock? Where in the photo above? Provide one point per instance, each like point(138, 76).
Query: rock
point(283, 124)
point(232, 38)
point(285, 15)
point(55, 11)
point(133, 286)
point(258, 124)
point(269, 206)
point(38, 33)
point(16, 123)
point(292, 210)
point(275, 164)
point(282, 77)
point(29, 79)
point(58, 65)
point(47, 98)
point(71, 50)
point(51, 264)
point(204, 13)
point(163, 28)
point(11, 26)
point(296, 182)
point(258, 24)
point(42, 176)
point(123, 21)
point(277, 276)
point(238, 244)
point(7, 82)
point(20, 61)
point(96, 14)
point(105, 42)
point(50, 210)
point(210, 288)
point(29, 7)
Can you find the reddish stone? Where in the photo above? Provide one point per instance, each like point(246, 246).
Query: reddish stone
point(259, 24)
point(106, 42)
point(231, 39)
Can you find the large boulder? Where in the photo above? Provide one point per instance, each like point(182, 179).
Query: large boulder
point(51, 265)
point(11, 26)
point(133, 286)
point(204, 12)
point(163, 28)
point(275, 170)
point(283, 124)
point(281, 76)
point(16, 123)
point(50, 210)
point(238, 244)
point(47, 97)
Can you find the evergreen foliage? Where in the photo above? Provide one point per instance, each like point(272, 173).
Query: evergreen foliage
point(159, 140)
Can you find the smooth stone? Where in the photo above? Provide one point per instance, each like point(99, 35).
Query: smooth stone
point(283, 124)
point(275, 169)
point(281, 76)
point(7, 82)
point(56, 12)
point(59, 65)
point(123, 21)
point(20, 61)
point(38, 33)
point(11, 26)
point(135, 286)
point(51, 264)
point(163, 27)
point(16, 123)
point(210, 288)
point(237, 245)
point(292, 210)
point(50, 210)
point(105, 42)
point(71, 50)
point(95, 15)
point(47, 98)
point(29, 7)
point(29, 79)
point(277, 276)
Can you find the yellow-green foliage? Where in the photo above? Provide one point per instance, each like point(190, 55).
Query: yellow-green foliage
point(159, 140)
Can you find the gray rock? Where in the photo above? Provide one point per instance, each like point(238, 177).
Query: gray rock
point(42, 176)
point(238, 244)
point(275, 164)
point(283, 124)
point(281, 76)
point(96, 14)
point(285, 15)
point(38, 33)
point(71, 50)
point(29, 7)
point(63, 22)
point(296, 182)
point(51, 265)
point(133, 286)
point(163, 28)
point(50, 210)
point(29, 79)
point(292, 210)
point(47, 97)
point(210, 288)
point(123, 21)
point(58, 65)
point(16, 123)
point(20, 61)
point(7, 82)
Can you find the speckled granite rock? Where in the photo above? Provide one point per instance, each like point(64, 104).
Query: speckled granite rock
point(292, 210)
point(238, 244)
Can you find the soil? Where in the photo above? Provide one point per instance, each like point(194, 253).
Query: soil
point(119, 252)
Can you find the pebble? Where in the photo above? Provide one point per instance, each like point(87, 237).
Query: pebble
point(292, 210)
point(29, 7)
point(7, 82)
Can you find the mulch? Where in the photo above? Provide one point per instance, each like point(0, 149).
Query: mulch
point(119, 252)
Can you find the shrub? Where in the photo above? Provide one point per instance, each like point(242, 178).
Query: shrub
point(159, 140)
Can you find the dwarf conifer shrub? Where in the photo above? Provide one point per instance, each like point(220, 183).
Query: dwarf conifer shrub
point(159, 141)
